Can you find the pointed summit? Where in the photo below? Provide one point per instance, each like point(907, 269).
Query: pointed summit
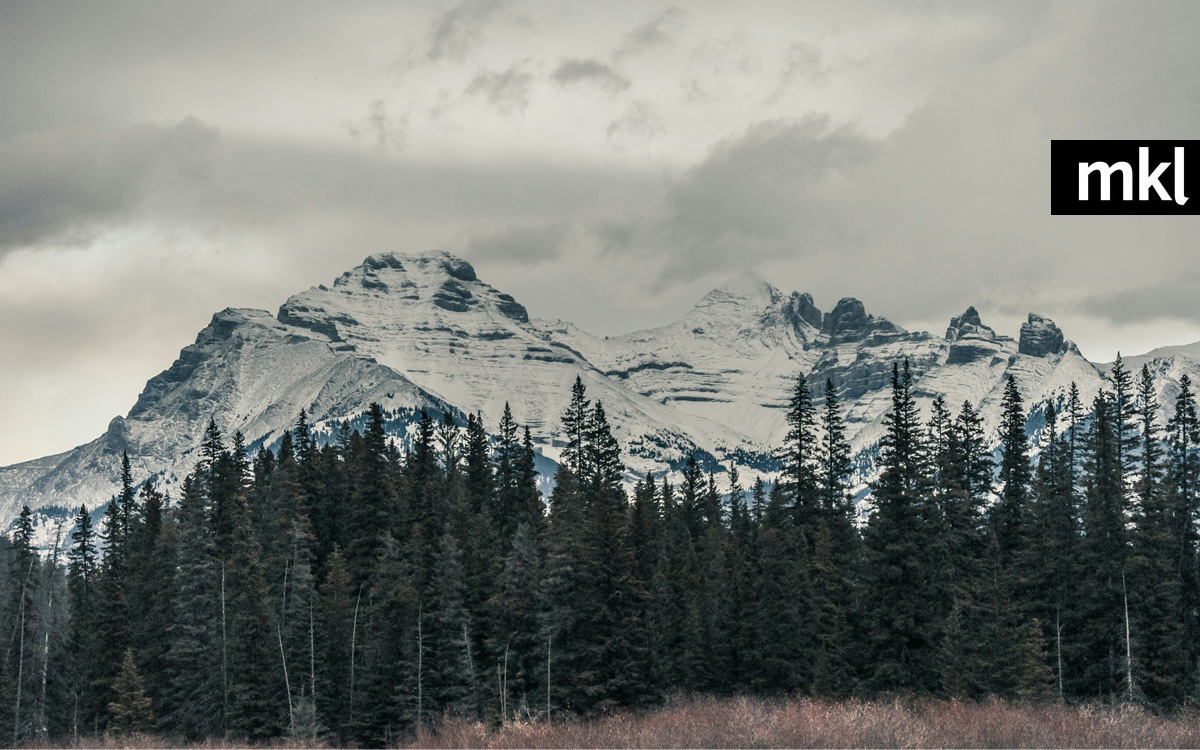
point(746, 289)
point(849, 321)
point(969, 326)
point(1040, 337)
point(799, 308)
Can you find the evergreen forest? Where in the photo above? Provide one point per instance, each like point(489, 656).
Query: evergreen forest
point(339, 590)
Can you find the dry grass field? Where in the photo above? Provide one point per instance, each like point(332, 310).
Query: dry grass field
point(804, 723)
point(807, 723)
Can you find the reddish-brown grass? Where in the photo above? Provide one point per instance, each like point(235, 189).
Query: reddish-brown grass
point(804, 723)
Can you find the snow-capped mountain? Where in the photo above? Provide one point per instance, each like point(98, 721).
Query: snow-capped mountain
point(423, 332)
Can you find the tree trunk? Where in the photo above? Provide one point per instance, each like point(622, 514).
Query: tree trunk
point(353, 637)
point(1128, 651)
point(224, 657)
point(21, 655)
point(46, 638)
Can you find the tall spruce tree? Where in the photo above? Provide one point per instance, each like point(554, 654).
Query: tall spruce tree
point(1009, 516)
point(255, 711)
point(1153, 583)
point(898, 599)
point(197, 658)
point(799, 457)
point(1103, 553)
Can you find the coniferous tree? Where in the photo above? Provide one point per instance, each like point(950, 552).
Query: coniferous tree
point(454, 672)
point(254, 673)
point(835, 558)
point(372, 503)
point(151, 587)
point(1152, 580)
point(81, 578)
point(963, 484)
point(1183, 481)
point(575, 421)
point(197, 657)
point(614, 659)
point(386, 680)
point(1103, 553)
point(335, 634)
point(1009, 516)
point(786, 636)
point(111, 600)
point(478, 464)
point(741, 558)
point(130, 707)
point(518, 643)
point(21, 618)
point(799, 457)
point(609, 603)
point(898, 600)
point(1124, 416)
point(508, 510)
point(530, 509)
point(1054, 549)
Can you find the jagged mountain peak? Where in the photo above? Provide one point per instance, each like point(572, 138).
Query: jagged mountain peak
point(1040, 337)
point(969, 325)
point(387, 289)
point(434, 261)
point(417, 331)
point(849, 321)
point(744, 290)
point(748, 300)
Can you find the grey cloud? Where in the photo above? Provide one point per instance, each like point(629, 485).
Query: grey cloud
point(386, 133)
point(522, 244)
point(658, 31)
point(61, 184)
point(506, 90)
point(804, 62)
point(572, 71)
point(454, 33)
point(639, 121)
point(952, 208)
point(1177, 297)
point(771, 193)
point(66, 184)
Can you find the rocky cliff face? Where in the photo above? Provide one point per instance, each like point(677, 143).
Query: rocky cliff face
point(1040, 337)
point(424, 332)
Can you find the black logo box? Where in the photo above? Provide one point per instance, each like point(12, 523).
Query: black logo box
point(1103, 160)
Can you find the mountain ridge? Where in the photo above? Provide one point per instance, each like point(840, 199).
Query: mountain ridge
point(423, 331)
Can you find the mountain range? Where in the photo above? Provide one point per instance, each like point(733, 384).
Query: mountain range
point(417, 332)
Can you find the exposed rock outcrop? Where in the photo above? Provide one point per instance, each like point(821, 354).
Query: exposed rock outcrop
point(1040, 337)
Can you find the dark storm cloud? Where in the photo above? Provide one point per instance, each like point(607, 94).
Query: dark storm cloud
point(660, 30)
point(600, 74)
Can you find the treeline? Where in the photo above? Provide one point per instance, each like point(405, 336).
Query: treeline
point(351, 593)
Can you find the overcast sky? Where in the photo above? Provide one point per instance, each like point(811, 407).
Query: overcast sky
point(606, 163)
